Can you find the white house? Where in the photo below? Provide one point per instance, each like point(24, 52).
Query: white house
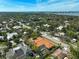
point(10, 35)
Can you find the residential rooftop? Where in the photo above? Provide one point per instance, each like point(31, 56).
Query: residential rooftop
point(43, 41)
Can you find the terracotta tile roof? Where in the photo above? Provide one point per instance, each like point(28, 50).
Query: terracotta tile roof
point(43, 41)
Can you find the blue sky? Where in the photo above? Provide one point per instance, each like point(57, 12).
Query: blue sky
point(39, 5)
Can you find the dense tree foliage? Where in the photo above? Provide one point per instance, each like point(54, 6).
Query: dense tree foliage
point(74, 51)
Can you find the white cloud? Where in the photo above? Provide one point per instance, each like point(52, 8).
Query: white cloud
point(65, 5)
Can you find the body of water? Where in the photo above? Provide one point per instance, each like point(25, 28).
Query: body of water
point(70, 14)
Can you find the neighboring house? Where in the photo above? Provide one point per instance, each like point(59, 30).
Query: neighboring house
point(16, 27)
point(43, 51)
point(74, 40)
point(20, 52)
point(43, 41)
point(13, 43)
point(46, 25)
point(1, 37)
point(59, 34)
point(60, 27)
point(43, 45)
point(10, 35)
point(59, 54)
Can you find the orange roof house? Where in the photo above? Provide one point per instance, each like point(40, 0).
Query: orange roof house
point(43, 41)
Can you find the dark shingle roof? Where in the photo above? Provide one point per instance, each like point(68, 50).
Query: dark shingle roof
point(19, 52)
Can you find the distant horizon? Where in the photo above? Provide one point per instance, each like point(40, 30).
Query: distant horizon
point(43, 11)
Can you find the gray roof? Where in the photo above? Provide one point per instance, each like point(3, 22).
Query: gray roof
point(18, 52)
point(1, 37)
